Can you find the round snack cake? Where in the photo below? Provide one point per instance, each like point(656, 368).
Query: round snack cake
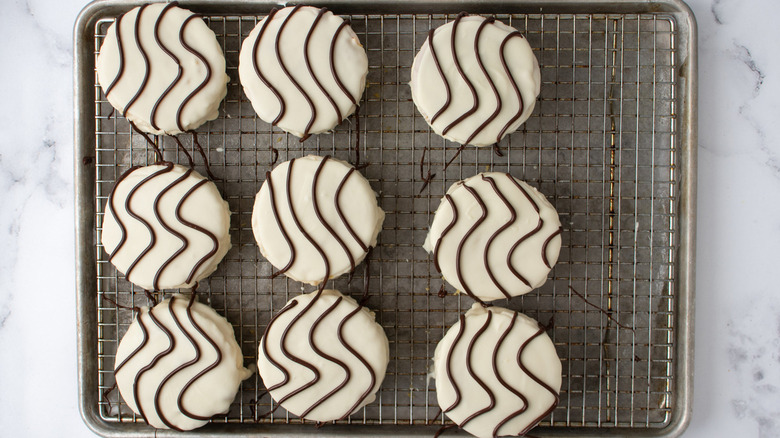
point(322, 356)
point(497, 372)
point(475, 80)
point(165, 226)
point(179, 364)
point(494, 236)
point(303, 69)
point(315, 218)
point(162, 68)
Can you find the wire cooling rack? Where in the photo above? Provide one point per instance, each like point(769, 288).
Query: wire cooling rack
point(602, 144)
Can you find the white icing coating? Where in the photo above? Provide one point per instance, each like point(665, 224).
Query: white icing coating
point(429, 90)
point(163, 70)
point(350, 65)
point(177, 346)
point(203, 208)
point(334, 394)
point(538, 357)
point(356, 200)
point(526, 258)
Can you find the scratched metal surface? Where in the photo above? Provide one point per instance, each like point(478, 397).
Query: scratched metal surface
point(603, 144)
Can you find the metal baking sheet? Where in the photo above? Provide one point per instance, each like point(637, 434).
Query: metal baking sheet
point(611, 142)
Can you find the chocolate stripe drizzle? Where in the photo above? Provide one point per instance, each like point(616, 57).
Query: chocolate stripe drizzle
point(268, 355)
point(461, 330)
point(119, 222)
point(503, 382)
point(456, 59)
point(255, 50)
point(145, 57)
point(469, 352)
point(322, 220)
point(168, 167)
point(351, 231)
point(513, 82)
point(525, 237)
point(499, 343)
point(295, 83)
point(121, 52)
point(142, 371)
point(167, 331)
point(444, 233)
point(547, 242)
point(360, 358)
point(172, 56)
point(200, 86)
point(332, 58)
point(184, 240)
point(537, 380)
point(509, 223)
point(474, 96)
point(311, 71)
point(462, 242)
point(275, 211)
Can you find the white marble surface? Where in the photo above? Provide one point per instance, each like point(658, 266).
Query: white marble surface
point(737, 379)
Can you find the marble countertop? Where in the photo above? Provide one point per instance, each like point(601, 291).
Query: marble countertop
point(737, 378)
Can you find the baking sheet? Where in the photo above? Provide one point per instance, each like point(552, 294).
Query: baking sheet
point(609, 143)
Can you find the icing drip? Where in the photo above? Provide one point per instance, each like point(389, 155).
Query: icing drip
point(335, 304)
point(527, 387)
point(313, 99)
point(156, 84)
point(474, 58)
point(158, 195)
point(486, 197)
point(163, 371)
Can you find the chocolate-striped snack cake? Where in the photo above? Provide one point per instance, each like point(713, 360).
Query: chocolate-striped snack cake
point(315, 218)
point(322, 356)
point(475, 80)
point(494, 236)
point(162, 68)
point(303, 69)
point(179, 364)
point(165, 226)
point(497, 372)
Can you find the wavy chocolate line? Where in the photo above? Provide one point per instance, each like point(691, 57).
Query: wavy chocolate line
point(511, 81)
point(326, 356)
point(444, 232)
point(482, 384)
point(148, 69)
point(441, 73)
point(144, 341)
point(295, 83)
point(322, 219)
point(332, 58)
point(490, 81)
point(268, 355)
point(168, 167)
point(311, 71)
point(360, 358)
point(119, 222)
point(462, 242)
point(279, 223)
point(165, 380)
point(172, 56)
point(351, 231)
point(200, 86)
point(525, 237)
point(181, 237)
point(537, 380)
point(121, 52)
point(217, 361)
point(461, 330)
point(160, 355)
point(503, 382)
point(547, 242)
point(462, 75)
point(509, 223)
point(196, 227)
point(255, 50)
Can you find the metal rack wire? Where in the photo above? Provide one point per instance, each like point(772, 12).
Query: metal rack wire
point(601, 144)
